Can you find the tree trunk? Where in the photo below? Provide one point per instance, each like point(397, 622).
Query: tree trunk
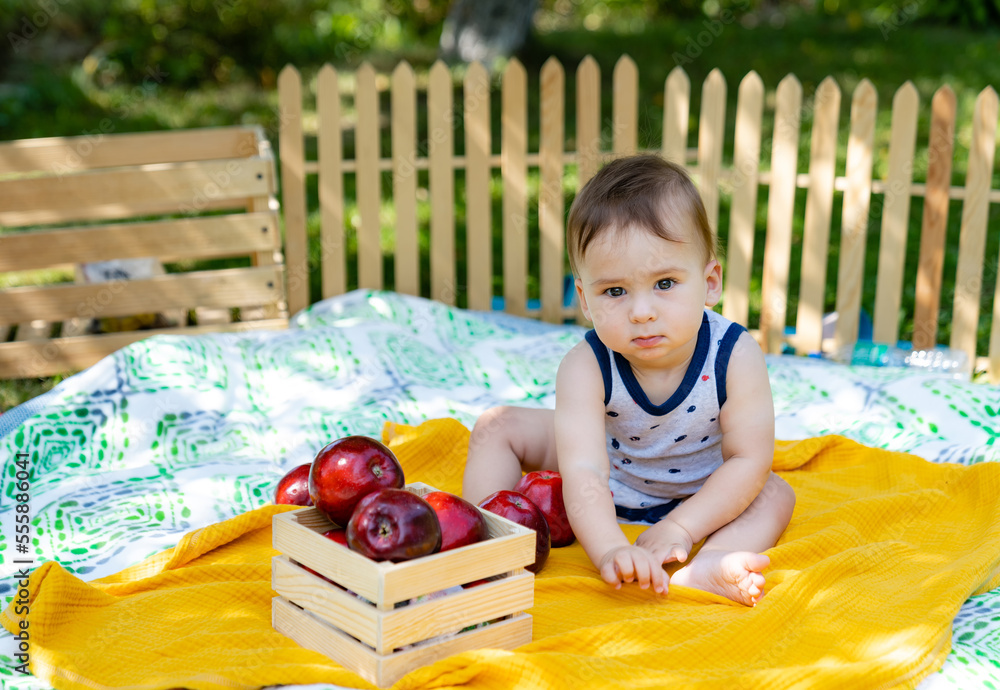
point(485, 30)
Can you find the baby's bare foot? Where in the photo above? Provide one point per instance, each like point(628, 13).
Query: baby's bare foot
point(735, 575)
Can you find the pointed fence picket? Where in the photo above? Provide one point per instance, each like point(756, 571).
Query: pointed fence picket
point(389, 137)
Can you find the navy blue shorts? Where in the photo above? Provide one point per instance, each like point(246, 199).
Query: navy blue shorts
point(650, 515)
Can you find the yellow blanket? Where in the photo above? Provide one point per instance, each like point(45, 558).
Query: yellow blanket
point(882, 550)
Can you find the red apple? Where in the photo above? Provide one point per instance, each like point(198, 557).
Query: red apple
point(347, 470)
point(337, 534)
point(461, 522)
point(393, 525)
point(519, 508)
point(293, 488)
point(544, 489)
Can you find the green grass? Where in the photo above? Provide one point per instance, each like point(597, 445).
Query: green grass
point(70, 98)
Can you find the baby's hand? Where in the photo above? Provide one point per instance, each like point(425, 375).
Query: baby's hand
point(633, 564)
point(667, 541)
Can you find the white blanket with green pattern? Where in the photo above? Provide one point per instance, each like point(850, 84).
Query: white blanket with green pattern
point(174, 433)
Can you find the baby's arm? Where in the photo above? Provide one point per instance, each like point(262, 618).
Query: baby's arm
point(585, 469)
point(747, 423)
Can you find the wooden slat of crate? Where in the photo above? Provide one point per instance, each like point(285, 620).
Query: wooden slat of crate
point(404, 179)
point(72, 154)
point(169, 240)
point(298, 535)
point(389, 630)
point(383, 670)
point(129, 192)
point(58, 355)
point(442, 184)
point(232, 287)
point(479, 204)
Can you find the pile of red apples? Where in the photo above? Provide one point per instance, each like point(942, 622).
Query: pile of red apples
point(358, 483)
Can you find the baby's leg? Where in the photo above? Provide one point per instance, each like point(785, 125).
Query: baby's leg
point(729, 562)
point(506, 441)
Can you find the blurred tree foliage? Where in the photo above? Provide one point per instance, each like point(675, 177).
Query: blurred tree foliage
point(199, 41)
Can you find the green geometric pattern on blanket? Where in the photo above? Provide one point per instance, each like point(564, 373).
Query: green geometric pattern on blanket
point(158, 364)
point(173, 433)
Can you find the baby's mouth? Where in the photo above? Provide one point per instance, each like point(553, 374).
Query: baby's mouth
point(648, 341)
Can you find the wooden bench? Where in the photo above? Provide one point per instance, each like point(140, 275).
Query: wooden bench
point(175, 198)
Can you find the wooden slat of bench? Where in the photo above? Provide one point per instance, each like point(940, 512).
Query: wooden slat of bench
point(60, 155)
point(895, 215)
point(975, 213)
point(479, 205)
point(233, 287)
point(819, 212)
point(182, 238)
point(742, 220)
point(935, 220)
point(47, 357)
point(854, 225)
point(442, 184)
point(130, 192)
point(550, 202)
point(404, 179)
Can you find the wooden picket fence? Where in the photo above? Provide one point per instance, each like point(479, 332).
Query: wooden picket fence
point(742, 179)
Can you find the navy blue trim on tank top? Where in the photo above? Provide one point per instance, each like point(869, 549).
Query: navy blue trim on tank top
point(690, 376)
point(726, 345)
point(650, 515)
point(604, 359)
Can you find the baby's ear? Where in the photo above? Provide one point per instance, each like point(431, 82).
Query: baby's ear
point(582, 299)
point(713, 283)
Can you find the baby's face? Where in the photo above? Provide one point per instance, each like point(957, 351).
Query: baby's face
point(646, 295)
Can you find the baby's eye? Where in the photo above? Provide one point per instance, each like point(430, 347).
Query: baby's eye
point(665, 284)
point(614, 292)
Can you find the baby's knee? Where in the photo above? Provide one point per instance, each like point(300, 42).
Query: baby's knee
point(491, 425)
point(780, 494)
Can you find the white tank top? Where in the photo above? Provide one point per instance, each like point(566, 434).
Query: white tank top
point(664, 452)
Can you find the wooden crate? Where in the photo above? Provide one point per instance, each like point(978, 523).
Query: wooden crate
point(363, 628)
